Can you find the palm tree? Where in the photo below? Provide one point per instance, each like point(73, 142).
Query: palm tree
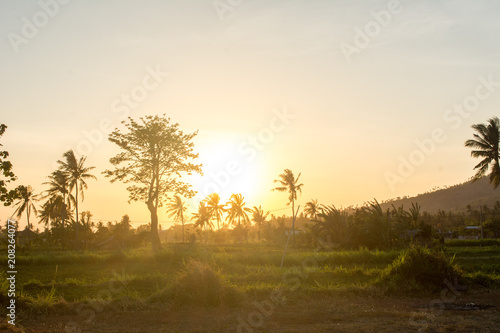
point(176, 209)
point(333, 222)
point(312, 209)
point(288, 183)
point(215, 208)
point(259, 217)
point(54, 212)
point(26, 203)
point(59, 187)
point(77, 174)
point(202, 219)
point(237, 212)
point(485, 145)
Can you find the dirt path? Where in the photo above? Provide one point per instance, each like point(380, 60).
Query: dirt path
point(325, 314)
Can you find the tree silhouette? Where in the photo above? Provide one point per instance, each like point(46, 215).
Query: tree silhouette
point(312, 209)
point(59, 186)
point(288, 183)
point(237, 212)
point(6, 196)
point(154, 155)
point(259, 217)
point(202, 219)
point(485, 145)
point(176, 209)
point(77, 174)
point(26, 203)
point(215, 208)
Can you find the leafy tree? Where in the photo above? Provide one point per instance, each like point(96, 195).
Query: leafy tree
point(312, 209)
point(26, 203)
point(59, 186)
point(259, 217)
point(54, 212)
point(215, 208)
point(154, 155)
point(237, 212)
point(485, 145)
point(176, 209)
point(333, 223)
point(288, 183)
point(77, 174)
point(6, 196)
point(202, 219)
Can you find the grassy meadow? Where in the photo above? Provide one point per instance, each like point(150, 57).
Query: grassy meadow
point(188, 278)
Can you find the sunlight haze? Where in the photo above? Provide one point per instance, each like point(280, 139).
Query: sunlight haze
point(268, 85)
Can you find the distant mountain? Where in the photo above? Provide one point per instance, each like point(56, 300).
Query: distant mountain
point(454, 198)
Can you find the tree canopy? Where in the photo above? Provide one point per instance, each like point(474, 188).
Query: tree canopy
point(154, 156)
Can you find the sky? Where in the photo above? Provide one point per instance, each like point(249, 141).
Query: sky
point(366, 99)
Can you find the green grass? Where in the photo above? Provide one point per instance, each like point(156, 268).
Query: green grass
point(252, 271)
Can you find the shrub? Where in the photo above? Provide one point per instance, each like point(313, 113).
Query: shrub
point(199, 285)
point(421, 268)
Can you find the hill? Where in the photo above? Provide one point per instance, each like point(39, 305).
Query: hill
point(454, 198)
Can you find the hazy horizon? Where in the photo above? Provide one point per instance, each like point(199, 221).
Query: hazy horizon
point(346, 94)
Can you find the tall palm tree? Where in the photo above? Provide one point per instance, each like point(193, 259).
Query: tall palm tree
point(176, 209)
point(202, 219)
point(259, 217)
point(288, 183)
point(54, 212)
point(485, 145)
point(237, 210)
point(77, 174)
point(26, 203)
point(215, 208)
point(59, 186)
point(312, 209)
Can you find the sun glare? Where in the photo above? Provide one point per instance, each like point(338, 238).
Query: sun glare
point(225, 171)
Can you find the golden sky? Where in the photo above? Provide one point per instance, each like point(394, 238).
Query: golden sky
point(365, 99)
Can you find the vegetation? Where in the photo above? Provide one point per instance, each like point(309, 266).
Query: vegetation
point(154, 155)
point(7, 175)
point(486, 145)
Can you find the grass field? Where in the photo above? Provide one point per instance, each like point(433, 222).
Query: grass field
point(78, 291)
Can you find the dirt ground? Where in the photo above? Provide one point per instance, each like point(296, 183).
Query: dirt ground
point(445, 313)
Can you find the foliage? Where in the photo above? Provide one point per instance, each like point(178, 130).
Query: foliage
point(198, 285)
point(421, 267)
point(6, 196)
point(154, 154)
point(486, 145)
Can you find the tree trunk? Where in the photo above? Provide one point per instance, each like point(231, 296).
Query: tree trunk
point(155, 237)
point(76, 206)
point(293, 222)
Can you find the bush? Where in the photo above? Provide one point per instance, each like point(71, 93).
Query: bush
point(199, 285)
point(421, 269)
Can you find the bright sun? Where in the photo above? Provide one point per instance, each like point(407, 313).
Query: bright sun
point(225, 171)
